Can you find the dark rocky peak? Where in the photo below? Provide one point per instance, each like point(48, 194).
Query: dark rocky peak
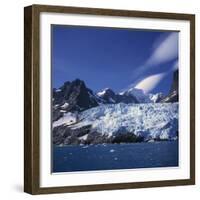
point(78, 82)
point(173, 93)
point(72, 96)
point(108, 95)
point(106, 91)
point(174, 86)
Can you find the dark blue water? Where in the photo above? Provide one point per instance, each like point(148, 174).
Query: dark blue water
point(115, 156)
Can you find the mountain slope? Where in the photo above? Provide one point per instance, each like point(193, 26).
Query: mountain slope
point(72, 96)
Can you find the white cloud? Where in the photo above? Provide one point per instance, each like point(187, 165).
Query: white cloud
point(150, 82)
point(166, 51)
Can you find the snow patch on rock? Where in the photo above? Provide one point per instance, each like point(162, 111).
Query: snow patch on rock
point(67, 119)
point(65, 105)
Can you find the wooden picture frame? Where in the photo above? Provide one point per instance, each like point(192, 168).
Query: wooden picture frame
point(32, 113)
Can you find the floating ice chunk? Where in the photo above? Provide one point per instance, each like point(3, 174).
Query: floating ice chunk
point(84, 137)
point(85, 146)
point(112, 150)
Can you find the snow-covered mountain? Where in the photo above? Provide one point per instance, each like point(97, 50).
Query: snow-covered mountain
point(138, 94)
point(142, 97)
point(118, 122)
point(109, 96)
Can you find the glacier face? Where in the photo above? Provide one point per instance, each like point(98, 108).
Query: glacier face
point(150, 121)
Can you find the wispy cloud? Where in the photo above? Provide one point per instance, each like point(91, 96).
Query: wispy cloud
point(166, 51)
point(149, 83)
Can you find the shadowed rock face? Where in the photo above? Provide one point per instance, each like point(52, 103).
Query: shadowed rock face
point(174, 86)
point(173, 94)
point(72, 96)
point(75, 93)
point(64, 135)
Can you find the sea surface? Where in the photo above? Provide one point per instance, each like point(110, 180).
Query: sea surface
point(114, 156)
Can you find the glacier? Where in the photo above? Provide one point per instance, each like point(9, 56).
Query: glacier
point(149, 120)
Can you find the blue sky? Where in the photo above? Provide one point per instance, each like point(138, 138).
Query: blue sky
point(114, 58)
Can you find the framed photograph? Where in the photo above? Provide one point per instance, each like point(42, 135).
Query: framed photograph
point(109, 99)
